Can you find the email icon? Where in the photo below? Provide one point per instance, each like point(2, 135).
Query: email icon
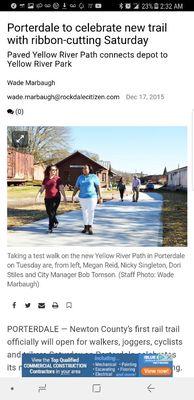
point(41, 305)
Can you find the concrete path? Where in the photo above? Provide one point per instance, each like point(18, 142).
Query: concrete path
point(116, 224)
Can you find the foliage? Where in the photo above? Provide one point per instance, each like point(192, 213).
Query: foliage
point(91, 155)
point(48, 144)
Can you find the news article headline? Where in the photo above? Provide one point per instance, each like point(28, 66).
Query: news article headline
point(136, 34)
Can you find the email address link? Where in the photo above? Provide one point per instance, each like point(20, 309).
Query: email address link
point(69, 97)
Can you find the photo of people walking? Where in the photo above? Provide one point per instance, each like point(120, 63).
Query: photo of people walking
point(97, 195)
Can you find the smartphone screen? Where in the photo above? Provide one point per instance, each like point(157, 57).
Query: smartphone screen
point(97, 200)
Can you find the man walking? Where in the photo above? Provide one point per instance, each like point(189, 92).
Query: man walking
point(136, 183)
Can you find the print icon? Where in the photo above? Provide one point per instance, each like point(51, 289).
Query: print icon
point(55, 305)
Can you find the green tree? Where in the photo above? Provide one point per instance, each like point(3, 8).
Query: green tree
point(165, 171)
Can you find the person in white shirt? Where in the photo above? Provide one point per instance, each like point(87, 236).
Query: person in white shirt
point(136, 183)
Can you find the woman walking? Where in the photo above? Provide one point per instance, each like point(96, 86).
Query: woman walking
point(121, 187)
point(88, 186)
point(52, 185)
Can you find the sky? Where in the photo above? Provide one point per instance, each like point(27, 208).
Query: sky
point(134, 149)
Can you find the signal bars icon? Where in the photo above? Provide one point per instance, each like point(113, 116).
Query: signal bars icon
point(136, 6)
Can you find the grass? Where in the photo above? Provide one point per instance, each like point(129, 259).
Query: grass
point(20, 216)
point(27, 192)
point(174, 218)
point(22, 192)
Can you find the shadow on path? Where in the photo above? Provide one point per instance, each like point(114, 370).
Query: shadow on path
point(116, 224)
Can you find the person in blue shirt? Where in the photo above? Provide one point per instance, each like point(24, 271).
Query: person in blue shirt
point(88, 186)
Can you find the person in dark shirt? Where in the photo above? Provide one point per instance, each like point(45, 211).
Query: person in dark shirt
point(121, 187)
point(52, 186)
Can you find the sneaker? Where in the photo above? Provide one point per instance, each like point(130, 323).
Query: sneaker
point(50, 231)
point(85, 230)
point(90, 231)
point(55, 225)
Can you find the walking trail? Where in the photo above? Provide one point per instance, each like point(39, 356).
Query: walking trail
point(116, 224)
